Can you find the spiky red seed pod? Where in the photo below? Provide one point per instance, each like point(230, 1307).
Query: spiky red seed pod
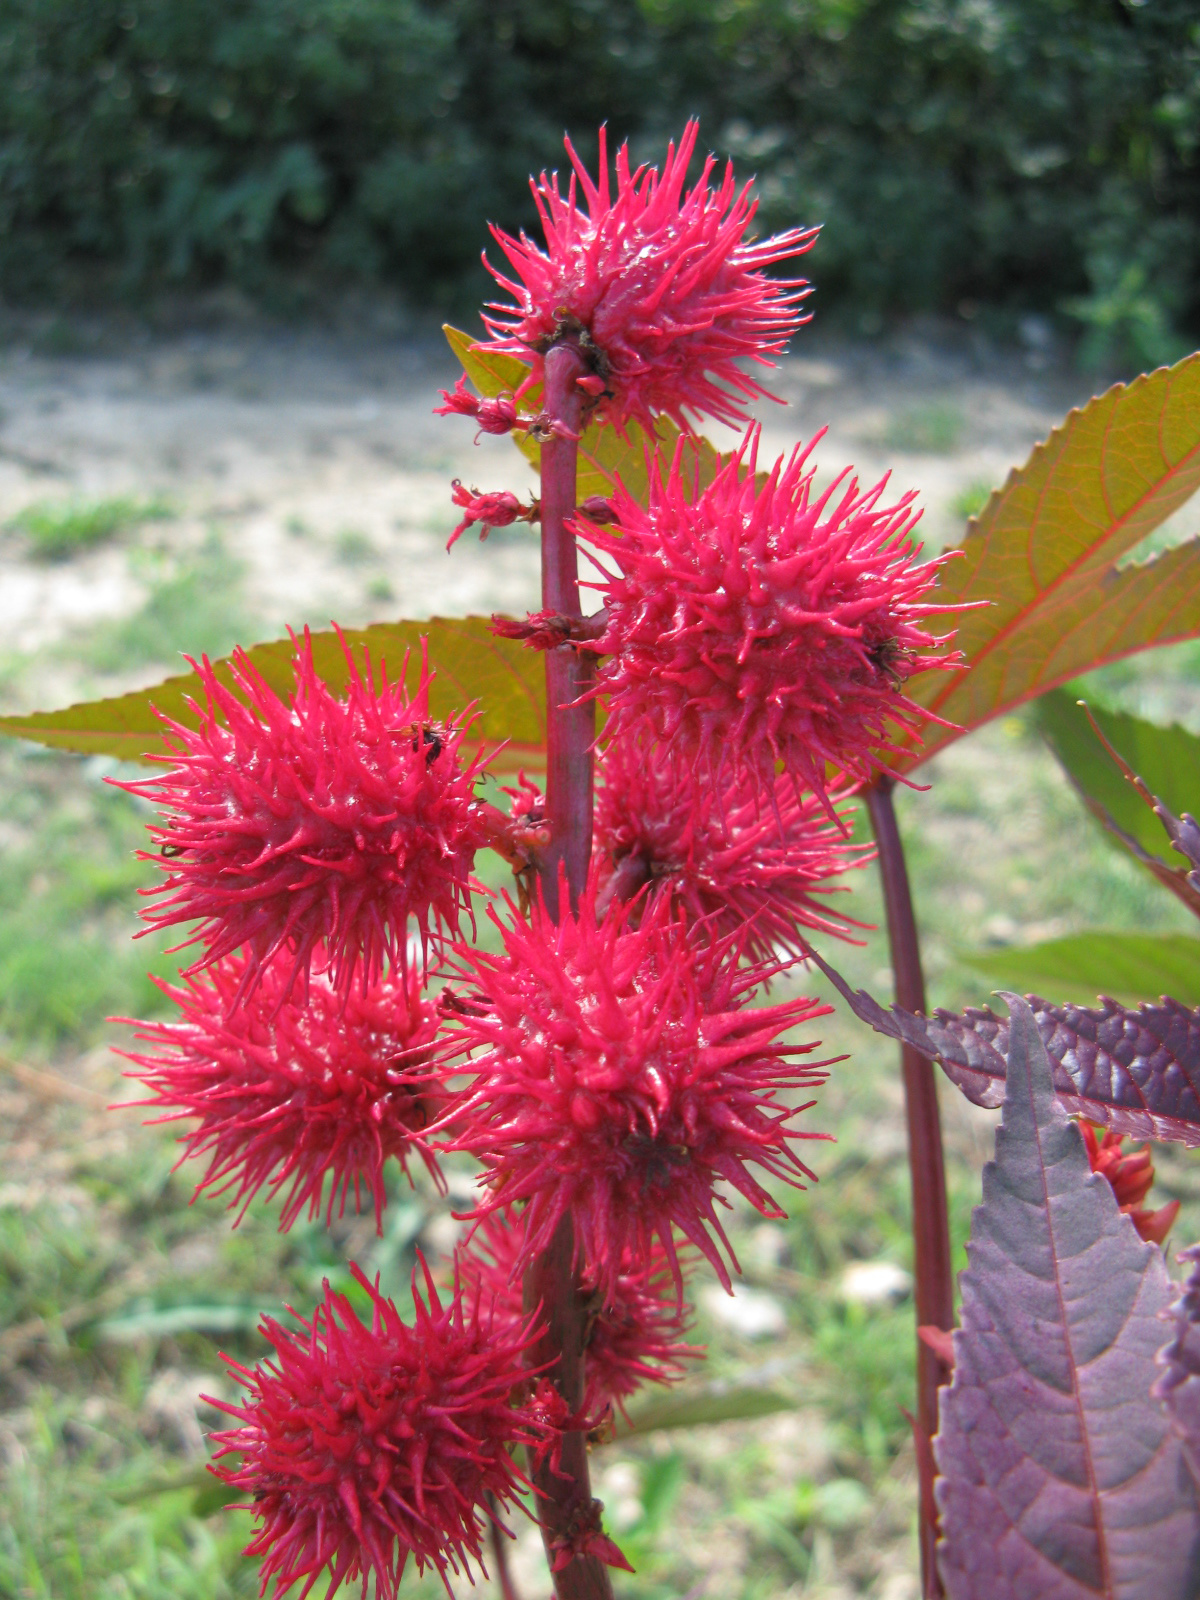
point(362, 1445)
point(621, 1077)
point(634, 1339)
point(1131, 1174)
point(661, 288)
point(289, 1093)
point(319, 823)
point(724, 854)
point(751, 626)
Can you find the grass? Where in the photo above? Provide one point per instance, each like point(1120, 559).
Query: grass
point(117, 1294)
point(56, 530)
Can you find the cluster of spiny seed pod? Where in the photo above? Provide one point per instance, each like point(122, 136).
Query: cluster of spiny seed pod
point(604, 1065)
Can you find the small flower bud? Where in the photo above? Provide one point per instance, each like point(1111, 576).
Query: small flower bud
point(494, 415)
point(494, 510)
point(597, 509)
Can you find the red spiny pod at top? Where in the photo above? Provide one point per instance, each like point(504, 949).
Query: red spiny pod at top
point(753, 625)
point(723, 854)
point(320, 823)
point(290, 1094)
point(619, 1075)
point(637, 1337)
point(660, 286)
point(362, 1445)
point(1131, 1174)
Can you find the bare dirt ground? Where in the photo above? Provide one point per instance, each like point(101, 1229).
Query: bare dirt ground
point(317, 459)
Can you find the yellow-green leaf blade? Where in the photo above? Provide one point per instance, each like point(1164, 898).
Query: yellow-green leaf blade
point(491, 371)
point(470, 663)
point(604, 454)
point(1083, 625)
point(1044, 551)
point(1130, 967)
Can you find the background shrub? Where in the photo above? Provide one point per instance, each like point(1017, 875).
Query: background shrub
point(1026, 154)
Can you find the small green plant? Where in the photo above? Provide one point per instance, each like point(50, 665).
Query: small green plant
point(930, 430)
point(969, 502)
point(58, 529)
point(353, 548)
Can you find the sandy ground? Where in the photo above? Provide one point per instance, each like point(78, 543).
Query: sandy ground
point(317, 459)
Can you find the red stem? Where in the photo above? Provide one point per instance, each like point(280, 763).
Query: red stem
point(934, 1286)
point(564, 1492)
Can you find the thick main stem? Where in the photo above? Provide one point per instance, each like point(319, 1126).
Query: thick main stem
point(565, 1506)
point(934, 1281)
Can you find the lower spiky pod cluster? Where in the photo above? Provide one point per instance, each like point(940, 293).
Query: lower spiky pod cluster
point(726, 856)
point(318, 823)
point(633, 1338)
point(620, 1075)
point(757, 625)
point(289, 1093)
point(364, 1444)
point(1131, 1174)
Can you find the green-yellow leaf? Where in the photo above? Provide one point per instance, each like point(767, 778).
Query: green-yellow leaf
point(1168, 759)
point(1045, 550)
point(699, 1405)
point(492, 372)
point(1130, 967)
point(470, 663)
point(604, 454)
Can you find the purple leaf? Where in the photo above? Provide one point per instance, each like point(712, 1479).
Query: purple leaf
point(1062, 1478)
point(1134, 1070)
point(1179, 1386)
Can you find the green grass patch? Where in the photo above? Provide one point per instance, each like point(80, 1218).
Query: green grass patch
point(195, 608)
point(58, 529)
point(68, 905)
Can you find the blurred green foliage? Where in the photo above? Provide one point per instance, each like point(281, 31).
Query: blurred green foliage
point(1026, 154)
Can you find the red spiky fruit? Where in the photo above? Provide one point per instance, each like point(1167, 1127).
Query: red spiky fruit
point(318, 823)
point(752, 626)
point(1131, 1174)
point(724, 855)
point(288, 1093)
point(637, 1337)
point(661, 289)
point(621, 1076)
point(362, 1444)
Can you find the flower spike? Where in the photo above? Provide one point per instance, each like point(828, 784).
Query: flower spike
point(661, 289)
